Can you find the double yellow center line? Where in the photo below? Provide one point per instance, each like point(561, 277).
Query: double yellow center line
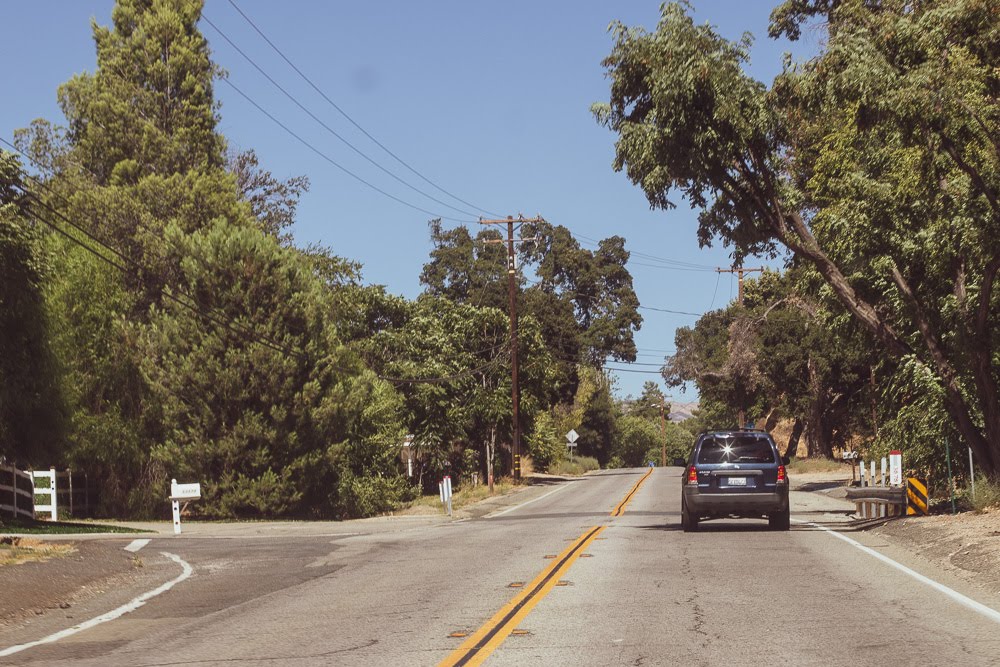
point(488, 638)
point(620, 507)
point(481, 644)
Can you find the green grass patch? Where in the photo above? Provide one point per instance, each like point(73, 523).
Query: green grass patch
point(574, 466)
point(28, 527)
point(803, 466)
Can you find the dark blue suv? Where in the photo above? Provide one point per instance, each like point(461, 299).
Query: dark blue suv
point(735, 474)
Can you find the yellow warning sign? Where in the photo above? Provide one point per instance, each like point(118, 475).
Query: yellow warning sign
point(916, 496)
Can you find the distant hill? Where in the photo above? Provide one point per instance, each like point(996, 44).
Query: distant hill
point(681, 411)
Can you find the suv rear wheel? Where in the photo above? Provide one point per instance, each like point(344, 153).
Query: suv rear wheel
point(689, 522)
point(779, 521)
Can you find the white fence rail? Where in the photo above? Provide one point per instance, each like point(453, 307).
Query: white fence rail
point(17, 498)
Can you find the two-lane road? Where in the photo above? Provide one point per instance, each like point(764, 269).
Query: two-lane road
point(594, 572)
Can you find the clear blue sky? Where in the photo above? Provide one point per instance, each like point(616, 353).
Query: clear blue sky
point(488, 100)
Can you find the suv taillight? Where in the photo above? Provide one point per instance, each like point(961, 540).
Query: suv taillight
point(782, 477)
point(692, 475)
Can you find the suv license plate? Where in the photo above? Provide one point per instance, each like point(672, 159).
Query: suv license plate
point(737, 481)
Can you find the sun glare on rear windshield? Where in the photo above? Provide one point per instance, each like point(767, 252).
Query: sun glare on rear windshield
point(736, 450)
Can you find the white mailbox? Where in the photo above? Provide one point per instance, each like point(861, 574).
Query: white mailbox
point(184, 491)
point(179, 492)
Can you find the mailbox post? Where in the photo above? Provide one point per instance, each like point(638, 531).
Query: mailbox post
point(179, 492)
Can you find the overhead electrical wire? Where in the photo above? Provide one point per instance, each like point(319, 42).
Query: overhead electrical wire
point(351, 120)
point(327, 127)
point(715, 291)
point(673, 263)
point(221, 320)
point(336, 164)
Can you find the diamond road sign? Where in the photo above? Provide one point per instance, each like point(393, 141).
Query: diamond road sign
point(572, 436)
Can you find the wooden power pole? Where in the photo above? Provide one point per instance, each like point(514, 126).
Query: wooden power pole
point(739, 270)
point(515, 393)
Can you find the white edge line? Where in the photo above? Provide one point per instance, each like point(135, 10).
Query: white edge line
point(111, 615)
point(963, 600)
point(528, 502)
point(135, 545)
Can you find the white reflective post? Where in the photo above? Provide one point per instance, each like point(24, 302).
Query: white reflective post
point(52, 492)
point(177, 516)
point(972, 474)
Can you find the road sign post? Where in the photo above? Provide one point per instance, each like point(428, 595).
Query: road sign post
point(571, 437)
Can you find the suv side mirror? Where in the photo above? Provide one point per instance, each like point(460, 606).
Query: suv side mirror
point(679, 462)
point(785, 460)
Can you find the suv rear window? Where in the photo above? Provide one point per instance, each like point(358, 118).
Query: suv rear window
point(739, 449)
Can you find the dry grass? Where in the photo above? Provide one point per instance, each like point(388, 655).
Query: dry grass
point(17, 550)
point(577, 465)
point(468, 495)
point(803, 466)
point(987, 495)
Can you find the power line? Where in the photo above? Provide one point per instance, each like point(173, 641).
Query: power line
point(630, 370)
point(715, 291)
point(348, 117)
point(673, 262)
point(334, 162)
point(325, 126)
point(672, 312)
point(222, 320)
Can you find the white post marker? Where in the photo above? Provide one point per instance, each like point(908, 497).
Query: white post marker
point(863, 479)
point(882, 478)
point(895, 468)
point(447, 482)
point(444, 488)
point(179, 492)
point(55, 495)
point(972, 474)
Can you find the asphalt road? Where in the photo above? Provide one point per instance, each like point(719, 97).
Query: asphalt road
point(595, 589)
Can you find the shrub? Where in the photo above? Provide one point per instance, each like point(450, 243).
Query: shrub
point(575, 466)
point(368, 496)
point(987, 495)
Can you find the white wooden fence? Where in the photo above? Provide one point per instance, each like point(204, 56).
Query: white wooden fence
point(17, 497)
point(47, 487)
point(43, 493)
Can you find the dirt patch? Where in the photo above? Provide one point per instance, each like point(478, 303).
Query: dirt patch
point(966, 544)
point(86, 570)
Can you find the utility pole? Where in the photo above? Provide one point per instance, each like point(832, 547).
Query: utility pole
point(739, 270)
point(515, 393)
point(663, 435)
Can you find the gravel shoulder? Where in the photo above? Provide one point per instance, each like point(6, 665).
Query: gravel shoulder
point(966, 545)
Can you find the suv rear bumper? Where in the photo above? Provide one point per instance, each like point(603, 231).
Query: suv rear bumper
point(751, 504)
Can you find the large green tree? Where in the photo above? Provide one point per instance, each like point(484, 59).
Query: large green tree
point(207, 348)
point(583, 299)
point(876, 161)
point(32, 418)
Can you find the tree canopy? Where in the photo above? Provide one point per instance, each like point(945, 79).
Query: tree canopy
point(876, 162)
